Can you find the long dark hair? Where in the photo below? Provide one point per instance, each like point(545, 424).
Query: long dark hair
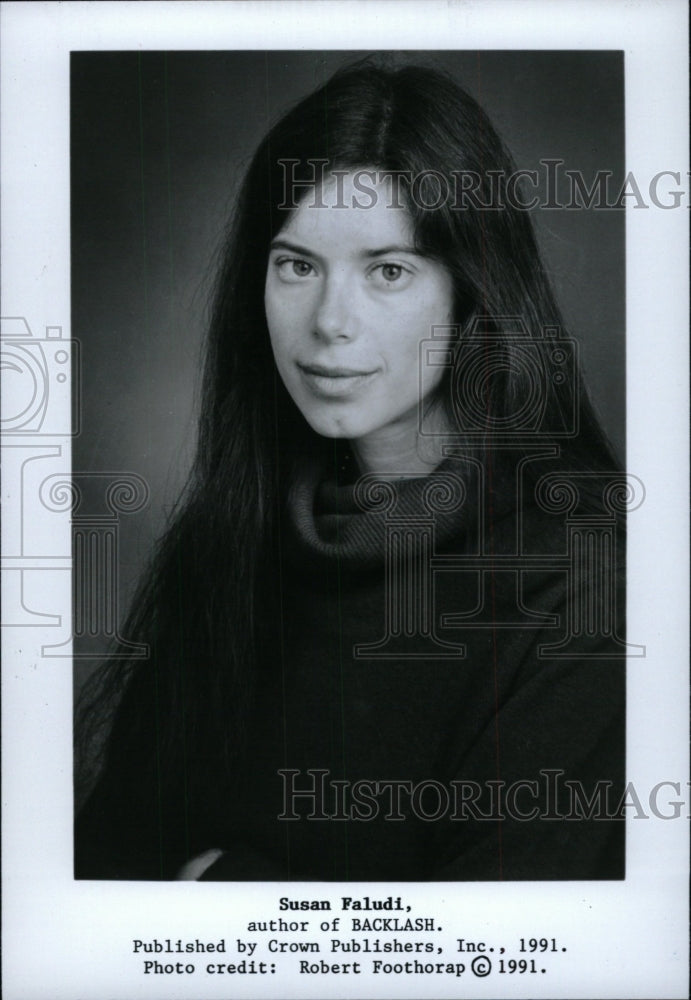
point(211, 595)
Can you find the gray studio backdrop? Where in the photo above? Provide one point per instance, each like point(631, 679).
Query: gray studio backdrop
point(159, 144)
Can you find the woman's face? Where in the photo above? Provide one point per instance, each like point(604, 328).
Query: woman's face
point(348, 301)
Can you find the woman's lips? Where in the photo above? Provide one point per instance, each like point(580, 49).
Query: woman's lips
point(334, 382)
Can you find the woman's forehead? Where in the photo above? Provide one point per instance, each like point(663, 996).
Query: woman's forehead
point(351, 210)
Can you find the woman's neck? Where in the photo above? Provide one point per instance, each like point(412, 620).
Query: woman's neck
point(400, 450)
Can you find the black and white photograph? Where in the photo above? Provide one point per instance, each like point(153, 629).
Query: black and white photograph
point(385, 618)
point(343, 529)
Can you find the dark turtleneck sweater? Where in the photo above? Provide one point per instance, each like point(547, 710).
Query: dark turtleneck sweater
point(452, 752)
point(431, 733)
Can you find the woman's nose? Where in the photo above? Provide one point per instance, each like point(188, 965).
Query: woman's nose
point(335, 318)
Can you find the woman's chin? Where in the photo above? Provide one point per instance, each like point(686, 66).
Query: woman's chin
point(338, 429)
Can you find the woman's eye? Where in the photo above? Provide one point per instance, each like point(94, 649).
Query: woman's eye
point(301, 268)
point(388, 275)
point(293, 268)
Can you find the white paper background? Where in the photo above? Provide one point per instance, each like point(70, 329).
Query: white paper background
point(65, 939)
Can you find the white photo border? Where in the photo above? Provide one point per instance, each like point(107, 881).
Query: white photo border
point(69, 939)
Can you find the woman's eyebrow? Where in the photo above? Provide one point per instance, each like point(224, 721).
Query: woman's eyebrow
point(394, 248)
point(292, 248)
point(281, 244)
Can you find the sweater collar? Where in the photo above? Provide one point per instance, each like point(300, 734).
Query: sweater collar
point(351, 523)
